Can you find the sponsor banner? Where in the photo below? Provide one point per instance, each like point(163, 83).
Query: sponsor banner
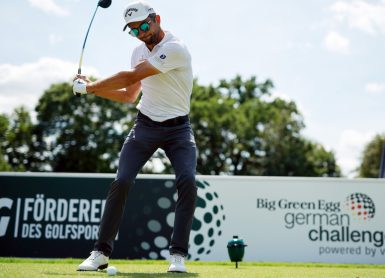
point(58, 215)
point(280, 219)
point(303, 219)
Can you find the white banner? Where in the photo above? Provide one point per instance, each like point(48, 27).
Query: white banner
point(329, 220)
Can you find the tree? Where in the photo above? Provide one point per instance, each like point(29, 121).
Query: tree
point(4, 126)
point(371, 157)
point(322, 162)
point(19, 141)
point(241, 130)
point(81, 134)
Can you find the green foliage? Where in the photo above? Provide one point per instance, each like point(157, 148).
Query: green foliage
point(81, 134)
point(371, 157)
point(18, 147)
point(240, 129)
point(4, 126)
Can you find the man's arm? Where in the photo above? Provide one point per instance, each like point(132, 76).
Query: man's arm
point(123, 79)
point(128, 94)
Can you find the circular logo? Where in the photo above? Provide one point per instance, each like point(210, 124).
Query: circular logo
point(153, 222)
point(207, 223)
point(361, 206)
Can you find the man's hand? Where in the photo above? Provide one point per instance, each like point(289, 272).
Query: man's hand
point(79, 87)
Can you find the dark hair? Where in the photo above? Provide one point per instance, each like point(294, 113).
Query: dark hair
point(152, 16)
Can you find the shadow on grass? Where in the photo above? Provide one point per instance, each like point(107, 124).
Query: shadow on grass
point(124, 274)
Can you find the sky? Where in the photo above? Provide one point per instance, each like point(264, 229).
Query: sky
point(328, 56)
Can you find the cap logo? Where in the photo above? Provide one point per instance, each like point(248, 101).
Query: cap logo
point(162, 56)
point(129, 11)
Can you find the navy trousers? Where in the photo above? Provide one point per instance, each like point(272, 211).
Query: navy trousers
point(176, 138)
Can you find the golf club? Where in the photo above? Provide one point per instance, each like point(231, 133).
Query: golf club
point(104, 4)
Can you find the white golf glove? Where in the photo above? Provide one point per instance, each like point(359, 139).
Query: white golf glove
point(79, 87)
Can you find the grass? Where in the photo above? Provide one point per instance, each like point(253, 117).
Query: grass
point(33, 268)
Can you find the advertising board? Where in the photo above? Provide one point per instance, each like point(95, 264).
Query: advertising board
point(279, 218)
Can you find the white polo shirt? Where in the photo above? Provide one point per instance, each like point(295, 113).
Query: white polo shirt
point(165, 95)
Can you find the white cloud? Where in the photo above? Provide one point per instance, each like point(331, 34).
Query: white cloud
point(24, 84)
point(336, 43)
point(375, 88)
point(350, 147)
point(49, 6)
point(362, 15)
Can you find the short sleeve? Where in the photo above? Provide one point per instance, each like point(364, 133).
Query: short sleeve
point(135, 57)
point(170, 56)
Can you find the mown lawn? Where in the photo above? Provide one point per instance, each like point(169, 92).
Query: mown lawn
point(31, 268)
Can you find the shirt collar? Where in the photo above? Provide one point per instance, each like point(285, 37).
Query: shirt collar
point(166, 38)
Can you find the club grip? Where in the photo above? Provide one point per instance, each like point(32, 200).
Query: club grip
point(79, 72)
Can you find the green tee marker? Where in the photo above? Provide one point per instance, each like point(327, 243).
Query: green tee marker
point(236, 249)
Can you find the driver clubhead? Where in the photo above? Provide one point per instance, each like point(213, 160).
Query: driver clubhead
point(104, 3)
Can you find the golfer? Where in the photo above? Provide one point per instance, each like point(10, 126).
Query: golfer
point(161, 70)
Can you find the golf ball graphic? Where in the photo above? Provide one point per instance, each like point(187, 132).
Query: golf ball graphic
point(207, 223)
point(154, 221)
point(361, 206)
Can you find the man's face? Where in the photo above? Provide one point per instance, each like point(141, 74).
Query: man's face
point(147, 30)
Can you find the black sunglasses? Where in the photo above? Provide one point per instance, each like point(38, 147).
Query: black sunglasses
point(145, 26)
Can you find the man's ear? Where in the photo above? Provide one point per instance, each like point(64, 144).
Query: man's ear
point(157, 19)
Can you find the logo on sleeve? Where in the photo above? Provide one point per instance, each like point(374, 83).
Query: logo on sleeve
point(160, 59)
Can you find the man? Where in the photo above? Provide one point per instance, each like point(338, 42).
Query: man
point(161, 70)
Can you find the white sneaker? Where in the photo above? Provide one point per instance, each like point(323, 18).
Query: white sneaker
point(177, 264)
point(95, 261)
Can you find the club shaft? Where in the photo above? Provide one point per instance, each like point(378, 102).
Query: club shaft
point(85, 40)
